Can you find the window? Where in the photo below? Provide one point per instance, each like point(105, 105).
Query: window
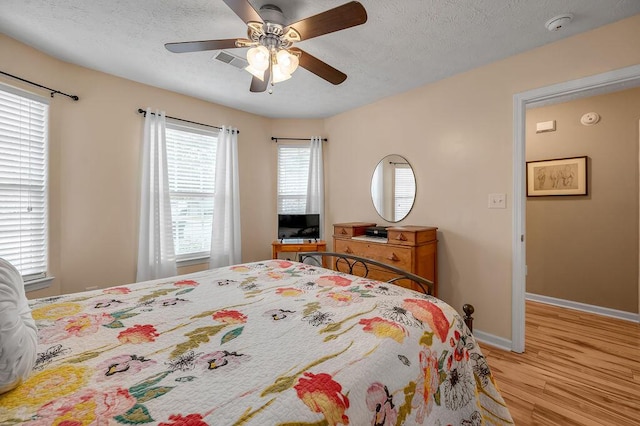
point(293, 172)
point(191, 155)
point(23, 181)
point(404, 193)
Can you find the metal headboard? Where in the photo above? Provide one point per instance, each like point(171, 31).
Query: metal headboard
point(347, 262)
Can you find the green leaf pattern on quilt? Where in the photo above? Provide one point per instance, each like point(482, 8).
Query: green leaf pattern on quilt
point(197, 337)
point(231, 335)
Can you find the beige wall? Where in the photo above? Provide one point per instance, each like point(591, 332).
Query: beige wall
point(94, 159)
point(585, 248)
point(457, 134)
point(94, 166)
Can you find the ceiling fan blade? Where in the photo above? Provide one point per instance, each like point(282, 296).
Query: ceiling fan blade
point(258, 85)
point(319, 68)
point(244, 10)
point(346, 16)
point(199, 46)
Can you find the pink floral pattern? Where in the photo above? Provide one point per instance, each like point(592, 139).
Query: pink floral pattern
point(324, 395)
point(340, 298)
point(118, 366)
point(282, 264)
point(222, 360)
point(138, 334)
point(429, 313)
point(289, 292)
point(381, 403)
point(188, 420)
point(186, 283)
point(81, 325)
point(87, 407)
point(383, 328)
point(427, 385)
point(116, 290)
point(334, 281)
point(230, 317)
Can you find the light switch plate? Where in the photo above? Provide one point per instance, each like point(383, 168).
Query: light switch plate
point(497, 201)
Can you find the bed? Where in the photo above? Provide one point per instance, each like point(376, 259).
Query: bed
point(275, 342)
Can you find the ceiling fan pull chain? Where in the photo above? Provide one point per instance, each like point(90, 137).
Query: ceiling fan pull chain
point(271, 77)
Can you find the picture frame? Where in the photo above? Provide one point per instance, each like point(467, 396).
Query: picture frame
point(559, 176)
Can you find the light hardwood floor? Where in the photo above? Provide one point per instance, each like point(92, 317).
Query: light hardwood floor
point(577, 369)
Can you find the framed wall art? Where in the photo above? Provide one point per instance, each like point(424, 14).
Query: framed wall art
point(561, 176)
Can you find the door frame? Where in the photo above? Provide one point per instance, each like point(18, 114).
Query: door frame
point(620, 79)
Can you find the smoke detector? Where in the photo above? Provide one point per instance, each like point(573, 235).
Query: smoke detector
point(590, 118)
point(558, 22)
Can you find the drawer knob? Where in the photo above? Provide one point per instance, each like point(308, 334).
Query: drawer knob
point(401, 237)
point(343, 231)
point(348, 251)
point(393, 257)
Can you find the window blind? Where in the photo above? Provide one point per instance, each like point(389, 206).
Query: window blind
point(405, 186)
point(293, 174)
point(23, 181)
point(191, 154)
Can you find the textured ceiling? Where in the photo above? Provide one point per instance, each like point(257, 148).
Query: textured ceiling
point(403, 45)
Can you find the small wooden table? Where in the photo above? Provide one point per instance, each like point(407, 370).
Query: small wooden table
point(308, 245)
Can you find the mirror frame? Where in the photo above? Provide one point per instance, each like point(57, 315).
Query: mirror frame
point(383, 197)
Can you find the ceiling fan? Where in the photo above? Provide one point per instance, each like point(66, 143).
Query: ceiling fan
point(272, 57)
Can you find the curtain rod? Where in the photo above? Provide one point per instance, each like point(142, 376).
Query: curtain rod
point(53, 91)
point(143, 112)
point(273, 138)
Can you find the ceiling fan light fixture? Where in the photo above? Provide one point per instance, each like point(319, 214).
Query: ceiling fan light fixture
point(287, 62)
point(258, 58)
point(278, 75)
point(271, 55)
point(255, 72)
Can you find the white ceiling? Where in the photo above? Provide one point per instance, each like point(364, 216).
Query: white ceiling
point(403, 45)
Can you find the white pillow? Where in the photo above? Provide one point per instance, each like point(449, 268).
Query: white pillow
point(18, 333)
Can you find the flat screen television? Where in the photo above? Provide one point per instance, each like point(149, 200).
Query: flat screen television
point(299, 226)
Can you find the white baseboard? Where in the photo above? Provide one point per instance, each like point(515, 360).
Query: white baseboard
point(599, 310)
point(493, 340)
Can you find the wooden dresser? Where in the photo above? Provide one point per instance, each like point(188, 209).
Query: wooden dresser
point(412, 248)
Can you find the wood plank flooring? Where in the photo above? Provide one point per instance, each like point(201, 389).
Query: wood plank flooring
point(577, 369)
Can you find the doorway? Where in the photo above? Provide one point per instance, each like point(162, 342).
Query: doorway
point(599, 84)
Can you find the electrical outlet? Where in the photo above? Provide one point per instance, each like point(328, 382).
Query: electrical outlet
point(497, 201)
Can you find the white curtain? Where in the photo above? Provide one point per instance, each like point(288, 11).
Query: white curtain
point(225, 233)
point(156, 255)
point(315, 183)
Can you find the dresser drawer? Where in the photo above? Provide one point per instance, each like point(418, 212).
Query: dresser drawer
point(411, 235)
point(410, 248)
point(400, 257)
point(351, 229)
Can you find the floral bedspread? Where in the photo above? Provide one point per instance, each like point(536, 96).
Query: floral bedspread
point(264, 343)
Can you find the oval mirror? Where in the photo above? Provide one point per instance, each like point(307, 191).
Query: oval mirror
point(393, 188)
